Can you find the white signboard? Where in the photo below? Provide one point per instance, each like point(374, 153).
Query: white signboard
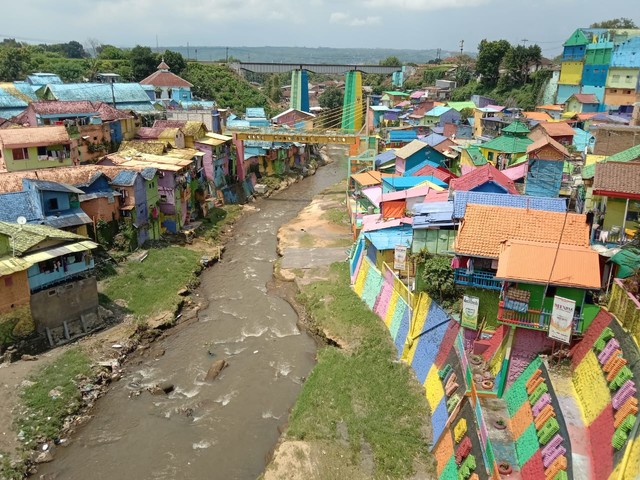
point(561, 323)
point(470, 307)
point(400, 257)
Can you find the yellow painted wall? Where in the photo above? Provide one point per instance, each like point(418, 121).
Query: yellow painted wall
point(571, 73)
point(625, 78)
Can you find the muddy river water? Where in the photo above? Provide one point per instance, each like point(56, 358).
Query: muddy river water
point(224, 429)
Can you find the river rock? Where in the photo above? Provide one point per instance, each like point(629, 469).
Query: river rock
point(28, 358)
point(166, 387)
point(215, 369)
point(44, 457)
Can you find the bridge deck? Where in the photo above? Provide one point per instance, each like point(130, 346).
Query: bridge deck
point(311, 136)
point(312, 67)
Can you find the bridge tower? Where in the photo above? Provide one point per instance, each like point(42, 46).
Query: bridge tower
point(352, 106)
point(299, 90)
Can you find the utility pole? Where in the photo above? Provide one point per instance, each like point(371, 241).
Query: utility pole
point(226, 56)
point(524, 41)
point(461, 46)
point(196, 54)
point(438, 51)
point(188, 53)
point(157, 47)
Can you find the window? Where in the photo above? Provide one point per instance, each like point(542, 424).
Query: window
point(490, 155)
point(20, 153)
point(42, 151)
point(52, 203)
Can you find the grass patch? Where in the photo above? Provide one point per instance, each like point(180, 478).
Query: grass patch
point(337, 215)
point(307, 241)
point(366, 388)
point(213, 224)
point(488, 307)
point(42, 415)
point(8, 321)
point(151, 286)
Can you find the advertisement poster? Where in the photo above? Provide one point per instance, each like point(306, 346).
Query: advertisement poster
point(561, 322)
point(470, 312)
point(400, 257)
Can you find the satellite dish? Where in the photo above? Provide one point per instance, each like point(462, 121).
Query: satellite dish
point(21, 220)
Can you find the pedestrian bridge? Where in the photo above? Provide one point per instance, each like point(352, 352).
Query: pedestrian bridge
point(335, 137)
point(333, 69)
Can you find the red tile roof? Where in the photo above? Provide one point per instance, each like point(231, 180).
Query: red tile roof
point(165, 79)
point(617, 179)
point(482, 175)
point(34, 136)
point(78, 175)
point(486, 227)
point(585, 97)
point(543, 141)
point(439, 173)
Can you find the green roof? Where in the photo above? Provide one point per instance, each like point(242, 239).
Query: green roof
point(25, 237)
point(396, 93)
point(628, 260)
point(577, 38)
point(627, 155)
point(459, 106)
point(476, 155)
point(516, 127)
point(508, 144)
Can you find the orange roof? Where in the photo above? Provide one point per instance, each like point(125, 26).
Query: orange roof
point(577, 267)
point(369, 178)
point(555, 108)
point(34, 136)
point(537, 116)
point(556, 129)
point(486, 227)
point(543, 141)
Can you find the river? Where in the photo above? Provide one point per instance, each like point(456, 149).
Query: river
point(224, 429)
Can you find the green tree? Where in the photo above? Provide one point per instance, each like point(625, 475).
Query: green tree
point(109, 52)
point(621, 22)
point(438, 279)
point(14, 63)
point(331, 98)
point(143, 62)
point(175, 60)
point(490, 56)
point(391, 61)
point(464, 70)
point(517, 62)
point(275, 92)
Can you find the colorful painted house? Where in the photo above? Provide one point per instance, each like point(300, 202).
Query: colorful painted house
point(582, 103)
point(512, 143)
point(411, 155)
point(486, 227)
point(397, 184)
point(618, 185)
point(486, 178)
point(294, 118)
point(488, 122)
point(433, 227)
point(471, 156)
point(191, 129)
point(167, 85)
point(439, 116)
point(218, 161)
point(52, 271)
point(171, 135)
point(399, 204)
point(34, 148)
point(530, 286)
point(133, 204)
point(462, 199)
point(123, 96)
point(391, 98)
point(546, 159)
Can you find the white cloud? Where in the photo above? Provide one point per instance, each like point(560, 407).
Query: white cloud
point(345, 19)
point(338, 17)
point(424, 4)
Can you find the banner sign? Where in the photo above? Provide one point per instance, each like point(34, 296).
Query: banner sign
point(400, 257)
point(470, 307)
point(561, 324)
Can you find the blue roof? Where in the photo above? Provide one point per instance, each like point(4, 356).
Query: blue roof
point(433, 139)
point(149, 173)
point(438, 111)
point(461, 199)
point(388, 238)
point(68, 219)
point(432, 214)
point(43, 79)
point(411, 171)
point(385, 157)
point(128, 95)
point(402, 135)
point(48, 186)
point(402, 183)
point(437, 129)
point(16, 204)
point(253, 152)
point(237, 123)
point(125, 178)
point(256, 112)
point(206, 104)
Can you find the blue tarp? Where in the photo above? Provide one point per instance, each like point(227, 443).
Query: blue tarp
point(388, 238)
point(461, 199)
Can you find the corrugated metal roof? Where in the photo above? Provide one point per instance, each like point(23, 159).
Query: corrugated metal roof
point(461, 199)
point(385, 156)
point(402, 135)
point(255, 112)
point(368, 178)
point(411, 148)
point(47, 186)
point(100, 92)
point(461, 105)
point(572, 266)
point(516, 172)
point(508, 144)
point(28, 236)
point(438, 111)
point(125, 178)
point(412, 192)
point(70, 219)
point(516, 127)
point(12, 265)
point(388, 238)
point(482, 175)
point(408, 182)
point(19, 204)
point(433, 214)
point(374, 194)
point(45, 255)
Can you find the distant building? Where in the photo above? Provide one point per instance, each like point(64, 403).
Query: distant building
point(167, 85)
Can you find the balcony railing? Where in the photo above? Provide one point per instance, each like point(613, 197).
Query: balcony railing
point(478, 279)
point(534, 319)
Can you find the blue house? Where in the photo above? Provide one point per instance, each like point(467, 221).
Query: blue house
point(126, 96)
point(256, 117)
point(167, 86)
point(414, 154)
point(134, 207)
point(440, 115)
point(397, 184)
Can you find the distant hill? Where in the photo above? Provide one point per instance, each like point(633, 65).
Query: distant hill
point(308, 55)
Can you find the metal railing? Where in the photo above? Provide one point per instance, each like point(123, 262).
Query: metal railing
point(478, 279)
point(534, 319)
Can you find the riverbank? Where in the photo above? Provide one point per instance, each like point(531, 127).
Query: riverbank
point(129, 296)
point(361, 413)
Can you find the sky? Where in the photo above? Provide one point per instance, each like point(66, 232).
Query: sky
point(420, 24)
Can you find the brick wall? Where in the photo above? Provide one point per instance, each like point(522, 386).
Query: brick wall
point(14, 291)
point(611, 140)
